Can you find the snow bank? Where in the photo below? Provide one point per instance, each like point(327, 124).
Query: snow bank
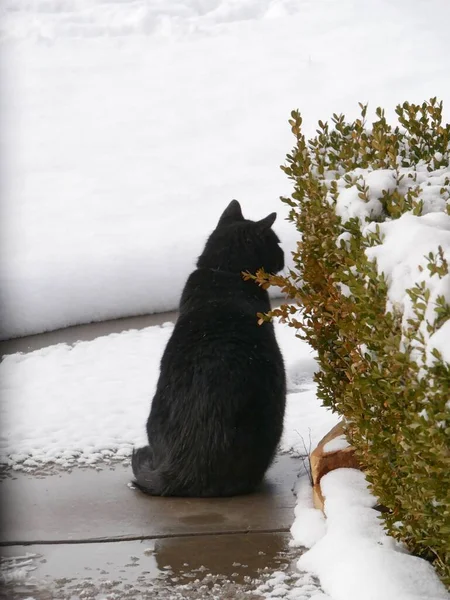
point(309, 525)
point(88, 404)
point(128, 126)
point(83, 18)
point(355, 559)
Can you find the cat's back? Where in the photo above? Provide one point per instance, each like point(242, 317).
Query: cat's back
point(218, 323)
point(221, 303)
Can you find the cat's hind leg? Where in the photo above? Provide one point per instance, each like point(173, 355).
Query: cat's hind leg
point(147, 476)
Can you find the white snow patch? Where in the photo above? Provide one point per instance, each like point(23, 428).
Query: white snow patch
point(16, 569)
point(290, 586)
point(440, 341)
point(71, 404)
point(338, 443)
point(306, 422)
point(355, 559)
point(309, 524)
point(89, 403)
point(402, 257)
point(407, 241)
point(349, 205)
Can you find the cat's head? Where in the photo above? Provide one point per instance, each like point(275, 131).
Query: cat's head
point(237, 244)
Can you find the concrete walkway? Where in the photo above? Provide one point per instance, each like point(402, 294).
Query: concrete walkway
point(88, 534)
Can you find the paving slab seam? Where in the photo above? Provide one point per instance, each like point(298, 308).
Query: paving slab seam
point(134, 538)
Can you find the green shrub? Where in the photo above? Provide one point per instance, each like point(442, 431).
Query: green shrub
point(378, 365)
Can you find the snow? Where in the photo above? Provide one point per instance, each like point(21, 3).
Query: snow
point(127, 127)
point(440, 341)
point(337, 443)
point(349, 204)
point(349, 551)
point(309, 523)
point(282, 584)
point(407, 241)
point(406, 244)
point(354, 558)
point(16, 568)
point(88, 404)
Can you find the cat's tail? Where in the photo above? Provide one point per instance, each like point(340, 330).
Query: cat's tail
point(148, 478)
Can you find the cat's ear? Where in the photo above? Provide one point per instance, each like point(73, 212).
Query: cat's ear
point(232, 213)
point(268, 221)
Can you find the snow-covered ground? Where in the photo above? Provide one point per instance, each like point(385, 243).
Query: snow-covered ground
point(349, 550)
point(128, 126)
point(88, 404)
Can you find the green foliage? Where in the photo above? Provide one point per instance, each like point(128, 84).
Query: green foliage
point(375, 370)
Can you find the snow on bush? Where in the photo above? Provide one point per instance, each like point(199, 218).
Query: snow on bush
point(372, 285)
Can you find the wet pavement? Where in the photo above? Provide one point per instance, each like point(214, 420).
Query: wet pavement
point(228, 566)
point(88, 534)
point(94, 505)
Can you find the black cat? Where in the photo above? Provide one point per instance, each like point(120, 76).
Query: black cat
point(217, 414)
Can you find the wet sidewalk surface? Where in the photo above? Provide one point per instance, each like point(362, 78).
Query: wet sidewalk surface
point(86, 533)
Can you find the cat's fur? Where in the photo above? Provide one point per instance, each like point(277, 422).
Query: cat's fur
point(217, 414)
